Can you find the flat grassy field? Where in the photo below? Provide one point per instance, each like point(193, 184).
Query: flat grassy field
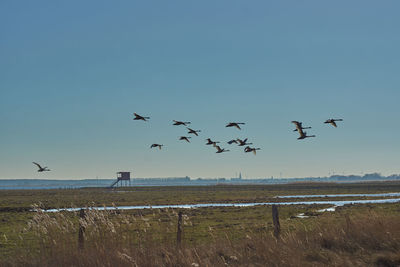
point(122, 237)
point(23, 199)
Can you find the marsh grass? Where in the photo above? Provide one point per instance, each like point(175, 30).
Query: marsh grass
point(118, 238)
point(359, 235)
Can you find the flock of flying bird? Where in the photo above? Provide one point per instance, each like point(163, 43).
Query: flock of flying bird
point(238, 141)
point(299, 129)
point(209, 141)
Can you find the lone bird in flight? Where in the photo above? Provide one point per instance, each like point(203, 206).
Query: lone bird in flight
point(234, 124)
point(181, 122)
point(41, 169)
point(299, 125)
point(232, 141)
point(251, 149)
point(303, 135)
point(333, 121)
point(243, 142)
point(156, 145)
point(210, 142)
point(220, 150)
point(140, 118)
point(185, 138)
point(191, 131)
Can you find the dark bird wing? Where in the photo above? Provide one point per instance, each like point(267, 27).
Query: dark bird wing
point(138, 116)
point(191, 131)
point(298, 125)
point(184, 138)
point(37, 164)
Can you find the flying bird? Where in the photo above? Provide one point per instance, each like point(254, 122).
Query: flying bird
point(243, 142)
point(299, 125)
point(191, 131)
point(41, 169)
point(251, 149)
point(185, 123)
point(210, 142)
point(303, 135)
point(138, 117)
point(220, 150)
point(185, 138)
point(232, 141)
point(333, 121)
point(156, 145)
point(234, 124)
point(299, 129)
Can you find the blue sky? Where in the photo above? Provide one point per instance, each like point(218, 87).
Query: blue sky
point(73, 72)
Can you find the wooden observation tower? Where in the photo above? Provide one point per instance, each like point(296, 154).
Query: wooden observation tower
point(123, 179)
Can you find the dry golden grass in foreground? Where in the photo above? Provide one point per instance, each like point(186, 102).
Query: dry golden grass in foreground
point(121, 239)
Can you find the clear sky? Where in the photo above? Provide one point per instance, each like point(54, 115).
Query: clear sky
point(73, 72)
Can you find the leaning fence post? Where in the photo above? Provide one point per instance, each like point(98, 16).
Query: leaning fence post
point(179, 230)
point(275, 219)
point(81, 239)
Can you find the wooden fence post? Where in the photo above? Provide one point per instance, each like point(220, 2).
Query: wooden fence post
point(275, 218)
point(179, 230)
point(81, 239)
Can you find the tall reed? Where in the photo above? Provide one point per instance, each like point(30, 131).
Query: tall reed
point(116, 238)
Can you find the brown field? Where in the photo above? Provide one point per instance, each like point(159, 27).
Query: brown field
point(354, 235)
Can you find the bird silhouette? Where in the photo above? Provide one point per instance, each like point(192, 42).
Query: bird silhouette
point(220, 150)
point(191, 131)
point(210, 142)
point(251, 149)
point(299, 125)
point(138, 117)
point(333, 121)
point(235, 124)
point(232, 141)
point(303, 135)
point(156, 145)
point(185, 123)
point(185, 138)
point(243, 142)
point(41, 169)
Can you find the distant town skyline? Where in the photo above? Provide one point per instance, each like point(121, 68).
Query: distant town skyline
point(73, 73)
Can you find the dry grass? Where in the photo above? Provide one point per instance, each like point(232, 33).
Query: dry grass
point(122, 239)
